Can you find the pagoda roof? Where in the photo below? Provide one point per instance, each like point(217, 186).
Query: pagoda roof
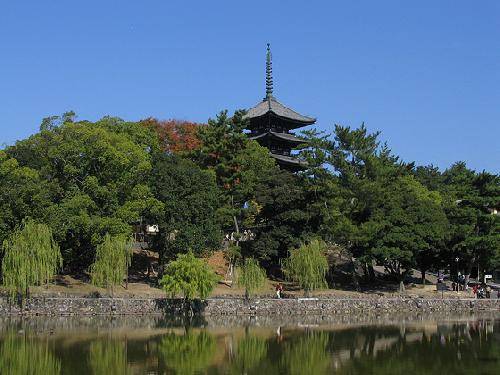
point(282, 136)
point(271, 105)
point(289, 160)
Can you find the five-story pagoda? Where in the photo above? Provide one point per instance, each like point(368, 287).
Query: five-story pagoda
point(270, 123)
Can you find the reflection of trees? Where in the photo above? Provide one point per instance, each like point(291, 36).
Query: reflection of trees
point(187, 354)
point(307, 354)
point(21, 355)
point(249, 353)
point(453, 349)
point(108, 357)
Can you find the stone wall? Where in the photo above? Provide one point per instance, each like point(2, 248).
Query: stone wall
point(239, 306)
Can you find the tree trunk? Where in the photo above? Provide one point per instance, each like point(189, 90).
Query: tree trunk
point(371, 273)
point(422, 271)
point(355, 274)
point(401, 285)
point(236, 226)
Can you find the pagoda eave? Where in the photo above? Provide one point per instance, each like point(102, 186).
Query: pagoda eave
point(290, 162)
point(287, 138)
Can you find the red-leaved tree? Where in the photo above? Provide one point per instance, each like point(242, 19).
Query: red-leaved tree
point(175, 136)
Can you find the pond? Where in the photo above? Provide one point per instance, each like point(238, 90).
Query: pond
point(237, 345)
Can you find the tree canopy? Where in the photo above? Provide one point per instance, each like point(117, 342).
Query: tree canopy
point(207, 186)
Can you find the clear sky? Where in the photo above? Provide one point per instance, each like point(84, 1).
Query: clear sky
point(425, 73)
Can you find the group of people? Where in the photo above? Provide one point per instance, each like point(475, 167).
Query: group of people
point(459, 285)
point(482, 291)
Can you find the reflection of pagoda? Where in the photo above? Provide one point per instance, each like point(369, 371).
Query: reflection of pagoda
point(271, 122)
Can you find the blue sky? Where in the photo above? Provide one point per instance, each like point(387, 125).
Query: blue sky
point(424, 73)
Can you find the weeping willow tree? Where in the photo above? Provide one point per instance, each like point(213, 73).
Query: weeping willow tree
point(31, 257)
point(307, 266)
point(21, 355)
point(112, 260)
point(251, 276)
point(109, 357)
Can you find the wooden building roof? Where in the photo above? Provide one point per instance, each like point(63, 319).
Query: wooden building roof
point(287, 137)
point(271, 105)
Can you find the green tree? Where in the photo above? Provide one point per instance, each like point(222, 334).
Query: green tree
point(190, 276)
point(239, 165)
point(96, 178)
point(113, 258)
point(252, 276)
point(190, 201)
point(23, 193)
point(307, 266)
point(283, 220)
point(475, 229)
point(31, 257)
point(406, 227)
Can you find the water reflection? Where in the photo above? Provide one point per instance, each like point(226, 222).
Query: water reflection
point(249, 352)
point(20, 355)
point(188, 353)
point(306, 354)
point(108, 357)
point(427, 347)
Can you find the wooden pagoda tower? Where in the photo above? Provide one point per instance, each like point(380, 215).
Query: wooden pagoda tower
point(270, 124)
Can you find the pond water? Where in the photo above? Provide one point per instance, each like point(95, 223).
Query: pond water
point(465, 345)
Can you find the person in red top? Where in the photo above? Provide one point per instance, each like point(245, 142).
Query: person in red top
point(279, 290)
point(474, 290)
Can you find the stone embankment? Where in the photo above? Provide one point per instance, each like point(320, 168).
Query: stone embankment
point(239, 306)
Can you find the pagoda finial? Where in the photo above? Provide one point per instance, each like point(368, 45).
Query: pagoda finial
point(269, 74)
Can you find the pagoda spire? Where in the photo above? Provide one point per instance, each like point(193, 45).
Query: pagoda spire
point(269, 74)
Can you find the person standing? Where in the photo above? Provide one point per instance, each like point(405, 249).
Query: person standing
point(279, 290)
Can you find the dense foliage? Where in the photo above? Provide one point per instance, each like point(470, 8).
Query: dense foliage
point(307, 266)
point(251, 276)
point(31, 257)
point(91, 181)
point(189, 276)
point(112, 260)
point(190, 202)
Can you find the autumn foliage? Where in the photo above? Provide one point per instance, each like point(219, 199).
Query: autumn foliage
point(175, 136)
